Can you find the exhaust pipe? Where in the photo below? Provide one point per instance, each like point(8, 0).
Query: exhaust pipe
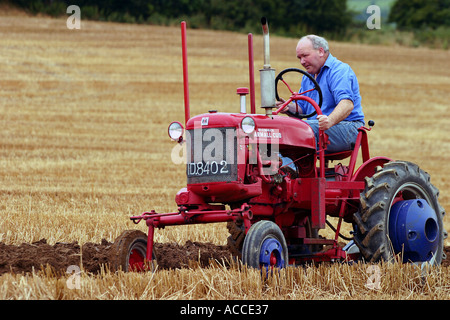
point(266, 43)
point(267, 74)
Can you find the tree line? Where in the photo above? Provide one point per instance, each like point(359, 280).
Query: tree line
point(330, 18)
point(288, 17)
point(420, 14)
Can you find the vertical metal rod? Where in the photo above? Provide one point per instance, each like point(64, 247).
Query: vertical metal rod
point(341, 216)
point(322, 147)
point(354, 157)
point(151, 232)
point(251, 71)
point(185, 72)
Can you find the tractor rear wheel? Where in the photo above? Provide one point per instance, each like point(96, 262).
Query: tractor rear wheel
point(265, 246)
point(400, 214)
point(129, 252)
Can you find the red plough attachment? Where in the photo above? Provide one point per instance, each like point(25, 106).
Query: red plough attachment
point(184, 216)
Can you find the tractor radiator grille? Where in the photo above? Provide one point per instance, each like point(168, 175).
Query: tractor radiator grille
point(211, 155)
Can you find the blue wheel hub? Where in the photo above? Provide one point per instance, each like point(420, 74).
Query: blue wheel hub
point(270, 254)
point(414, 230)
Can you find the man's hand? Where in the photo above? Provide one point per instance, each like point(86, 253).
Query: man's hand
point(292, 107)
point(324, 122)
point(279, 103)
point(339, 113)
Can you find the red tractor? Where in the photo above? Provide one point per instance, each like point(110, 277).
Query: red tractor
point(264, 176)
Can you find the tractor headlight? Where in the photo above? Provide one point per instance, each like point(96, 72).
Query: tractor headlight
point(176, 131)
point(248, 125)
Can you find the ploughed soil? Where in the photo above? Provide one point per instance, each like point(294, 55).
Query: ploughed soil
point(92, 256)
point(34, 256)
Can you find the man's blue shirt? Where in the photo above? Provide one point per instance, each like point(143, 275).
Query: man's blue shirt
point(337, 82)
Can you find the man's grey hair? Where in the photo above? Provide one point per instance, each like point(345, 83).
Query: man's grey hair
point(317, 42)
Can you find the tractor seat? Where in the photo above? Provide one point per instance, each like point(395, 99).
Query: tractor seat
point(347, 153)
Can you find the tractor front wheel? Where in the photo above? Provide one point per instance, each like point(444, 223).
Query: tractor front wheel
point(265, 246)
point(129, 252)
point(400, 215)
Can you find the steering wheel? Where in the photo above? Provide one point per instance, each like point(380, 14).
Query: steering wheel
point(294, 95)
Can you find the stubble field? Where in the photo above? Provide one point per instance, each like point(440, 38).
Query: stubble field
point(84, 146)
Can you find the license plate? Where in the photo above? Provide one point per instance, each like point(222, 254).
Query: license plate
point(212, 156)
point(208, 168)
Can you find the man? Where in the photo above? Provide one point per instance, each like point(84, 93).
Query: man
point(341, 107)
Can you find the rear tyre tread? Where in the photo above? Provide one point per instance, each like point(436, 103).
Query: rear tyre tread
point(370, 221)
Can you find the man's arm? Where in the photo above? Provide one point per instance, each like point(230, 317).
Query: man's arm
point(342, 111)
